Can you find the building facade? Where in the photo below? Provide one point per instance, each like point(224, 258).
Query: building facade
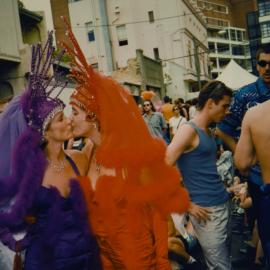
point(264, 20)
point(171, 32)
point(227, 32)
point(254, 35)
point(19, 28)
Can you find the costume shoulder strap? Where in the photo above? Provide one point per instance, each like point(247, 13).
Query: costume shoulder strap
point(73, 165)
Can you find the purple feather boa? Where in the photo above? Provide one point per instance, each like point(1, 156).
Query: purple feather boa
point(57, 215)
point(29, 165)
point(80, 208)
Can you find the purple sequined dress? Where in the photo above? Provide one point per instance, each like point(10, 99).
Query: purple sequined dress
point(60, 238)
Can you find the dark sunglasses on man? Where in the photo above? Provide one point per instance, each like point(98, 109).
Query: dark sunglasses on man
point(263, 63)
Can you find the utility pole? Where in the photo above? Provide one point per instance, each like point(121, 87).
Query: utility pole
point(197, 63)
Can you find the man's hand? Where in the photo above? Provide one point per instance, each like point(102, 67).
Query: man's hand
point(70, 144)
point(229, 141)
point(200, 213)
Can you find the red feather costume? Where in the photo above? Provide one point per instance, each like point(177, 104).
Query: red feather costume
point(128, 211)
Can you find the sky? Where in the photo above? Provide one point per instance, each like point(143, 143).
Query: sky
point(41, 5)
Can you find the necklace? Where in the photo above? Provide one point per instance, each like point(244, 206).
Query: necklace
point(98, 167)
point(93, 159)
point(58, 167)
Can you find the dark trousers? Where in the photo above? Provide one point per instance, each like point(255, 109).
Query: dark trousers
point(261, 204)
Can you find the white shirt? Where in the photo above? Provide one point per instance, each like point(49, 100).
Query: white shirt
point(175, 122)
point(192, 112)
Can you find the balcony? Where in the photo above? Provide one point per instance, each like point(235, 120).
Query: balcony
point(265, 18)
point(190, 77)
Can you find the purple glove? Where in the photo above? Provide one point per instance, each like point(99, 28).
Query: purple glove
point(7, 238)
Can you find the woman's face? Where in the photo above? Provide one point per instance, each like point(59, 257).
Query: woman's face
point(176, 111)
point(59, 129)
point(81, 125)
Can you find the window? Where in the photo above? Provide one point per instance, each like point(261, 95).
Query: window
point(200, 4)
point(238, 50)
point(239, 35)
point(207, 6)
point(156, 53)
point(265, 29)
point(212, 6)
point(151, 16)
point(91, 35)
point(254, 31)
point(211, 47)
point(252, 19)
point(264, 7)
point(217, 22)
point(233, 34)
point(223, 48)
point(90, 31)
point(95, 66)
point(122, 35)
point(221, 9)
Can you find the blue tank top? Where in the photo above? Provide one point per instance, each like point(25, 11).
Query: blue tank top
point(199, 171)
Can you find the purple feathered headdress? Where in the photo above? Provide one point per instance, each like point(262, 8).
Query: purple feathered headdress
point(38, 106)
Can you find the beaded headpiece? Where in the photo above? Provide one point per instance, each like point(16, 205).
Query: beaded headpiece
point(81, 98)
point(39, 107)
point(85, 94)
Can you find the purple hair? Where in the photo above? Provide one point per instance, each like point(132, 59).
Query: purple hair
point(27, 177)
point(12, 125)
point(22, 185)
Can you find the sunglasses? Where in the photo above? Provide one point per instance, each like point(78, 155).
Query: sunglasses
point(263, 63)
point(146, 105)
point(175, 109)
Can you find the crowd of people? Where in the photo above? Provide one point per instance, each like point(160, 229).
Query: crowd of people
point(165, 122)
point(147, 189)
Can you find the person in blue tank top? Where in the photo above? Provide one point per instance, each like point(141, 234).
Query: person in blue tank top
point(193, 148)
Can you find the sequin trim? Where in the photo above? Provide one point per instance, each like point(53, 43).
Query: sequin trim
point(50, 116)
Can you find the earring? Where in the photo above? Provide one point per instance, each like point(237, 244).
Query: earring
point(43, 142)
point(94, 124)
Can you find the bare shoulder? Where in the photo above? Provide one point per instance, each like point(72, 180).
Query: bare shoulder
point(183, 141)
point(184, 135)
point(80, 158)
point(256, 113)
point(186, 130)
point(258, 110)
point(256, 118)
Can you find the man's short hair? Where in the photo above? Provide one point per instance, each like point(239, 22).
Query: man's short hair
point(151, 104)
point(166, 99)
point(214, 90)
point(263, 49)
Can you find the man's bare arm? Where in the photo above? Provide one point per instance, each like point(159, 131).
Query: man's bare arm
point(181, 142)
point(245, 156)
point(227, 139)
